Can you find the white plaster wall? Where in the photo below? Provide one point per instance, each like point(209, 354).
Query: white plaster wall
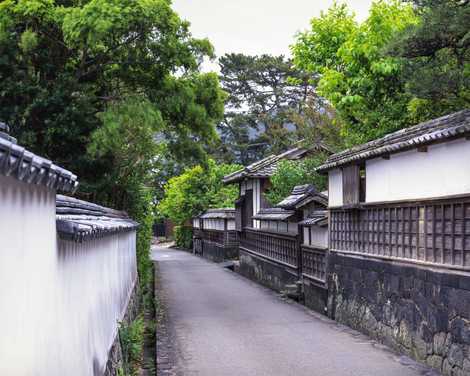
point(441, 171)
point(214, 224)
point(335, 187)
point(231, 224)
point(319, 236)
point(60, 301)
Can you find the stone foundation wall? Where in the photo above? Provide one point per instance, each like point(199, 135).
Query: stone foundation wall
point(315, 295)
point(215, 252)
point(422, 312)
point(268, 273)
point(115, 353)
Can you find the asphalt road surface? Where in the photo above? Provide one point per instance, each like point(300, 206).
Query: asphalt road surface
point(221, 324)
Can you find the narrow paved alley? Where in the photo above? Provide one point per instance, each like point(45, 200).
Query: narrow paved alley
point(221, 324)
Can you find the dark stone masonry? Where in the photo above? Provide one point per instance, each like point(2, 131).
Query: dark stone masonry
point(270, 274)
point(315, 295)
point(115, 354)
point(217, 253)
point(422, 312)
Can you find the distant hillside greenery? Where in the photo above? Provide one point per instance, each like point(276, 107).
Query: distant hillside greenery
point(269, 107)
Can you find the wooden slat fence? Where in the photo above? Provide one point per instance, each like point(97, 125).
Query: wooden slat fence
point(278, 247)
point(428, 232)
point(314, 263)
point(220, 237)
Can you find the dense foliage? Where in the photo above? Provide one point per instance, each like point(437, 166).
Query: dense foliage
point(436, 55)
point(91, 84)
point(292, 173)
point(131, 336)
point(197, 189)
point(365, 87)
point(407, 62)
point(183, 236)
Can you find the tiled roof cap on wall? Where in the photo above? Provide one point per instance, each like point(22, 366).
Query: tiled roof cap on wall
point(446, 127)
point(274, 214)
point(302, 195)
point(79, 220)
point(19, 163)
point(220, 213)
point(317, 218)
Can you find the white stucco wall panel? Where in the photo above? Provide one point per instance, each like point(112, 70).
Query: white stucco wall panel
point(335, 187)
point(61, 300)
point(441, 171)
point(231, 224)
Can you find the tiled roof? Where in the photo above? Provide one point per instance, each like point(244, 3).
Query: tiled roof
point(17, 162)
point(79, 220)
point(447, 127)
point(220, 213)
point(318, 218)
point(302, 195)
point(274, 214)
point(267, 167)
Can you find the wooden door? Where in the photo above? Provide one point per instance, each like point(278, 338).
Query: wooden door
point(247, 220)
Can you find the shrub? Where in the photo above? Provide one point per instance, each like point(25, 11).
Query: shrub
point(197, 189)
point(132, 343)
point(184, 237)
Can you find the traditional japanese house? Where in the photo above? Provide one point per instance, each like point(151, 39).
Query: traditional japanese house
point(399, 265)
point(254, 180)
point(214, 235)
point(271, 253)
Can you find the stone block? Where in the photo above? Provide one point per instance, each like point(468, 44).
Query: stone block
point(446, 368)
point(405, 337)
point(466, 365)
point(460, 331)
point(439, 343)
point(455, 356)
point(420, 348)
point(434, 361)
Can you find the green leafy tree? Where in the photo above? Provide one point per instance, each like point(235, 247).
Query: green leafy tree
point(126, 141)
point(95, 84)
point(263, 93)
point(292, 173)
point(436, 56)
point(196, 190)
point(364, 86)
point(64, 62)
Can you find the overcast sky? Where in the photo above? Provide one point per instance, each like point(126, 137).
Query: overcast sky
point(255, 26)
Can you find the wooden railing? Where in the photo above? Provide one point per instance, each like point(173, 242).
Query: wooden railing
point(430, 232)
point(314, 263)
point(223, 238)
point(278, 247)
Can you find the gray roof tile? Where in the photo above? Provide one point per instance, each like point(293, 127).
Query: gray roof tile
point(274, 214)
point(446, 127)
point(19, 163)
point(220, 213)
point(317, 218)
point(266, 167)
point(79, 220)
point(302, 195)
